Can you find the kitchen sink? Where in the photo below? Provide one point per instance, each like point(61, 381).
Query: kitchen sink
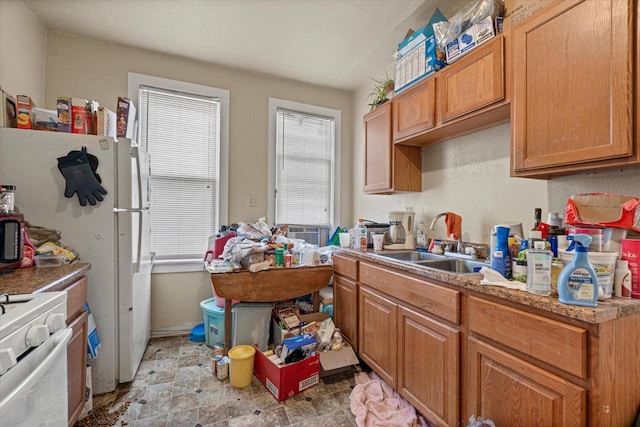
point(412, 256)
point(452, 264)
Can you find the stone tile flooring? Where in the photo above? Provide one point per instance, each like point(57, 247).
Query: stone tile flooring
point(174, 386)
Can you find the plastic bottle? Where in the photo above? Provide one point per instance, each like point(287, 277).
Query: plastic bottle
point(537, 218)
point(578, 282)
point(539, 270)
point(360, 237)
point(622, 279)
point(500, 255)
point(421, 236)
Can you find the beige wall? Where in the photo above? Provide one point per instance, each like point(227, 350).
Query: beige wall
point(91, 69)
point(22, 44)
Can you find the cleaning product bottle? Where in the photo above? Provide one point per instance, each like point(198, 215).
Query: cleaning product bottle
point(578, 282)
point(421, 236)
point(360, 243)
point(539, 270)
point(622, 279)
point(500, 255)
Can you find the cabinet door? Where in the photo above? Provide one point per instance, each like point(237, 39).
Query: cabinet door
point(76, 366)
point(377, 149)
point(345, 308)
point(428, 366)
point(414, 110)
point(377, 334)
point(474, 81)
point(512, 392)
point(572, 100)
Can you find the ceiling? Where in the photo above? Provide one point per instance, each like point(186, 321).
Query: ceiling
point(335, 43)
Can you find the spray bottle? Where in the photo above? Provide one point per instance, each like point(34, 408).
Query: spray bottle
point(578, 282)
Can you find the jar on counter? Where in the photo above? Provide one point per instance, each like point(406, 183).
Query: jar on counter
point(7, 199)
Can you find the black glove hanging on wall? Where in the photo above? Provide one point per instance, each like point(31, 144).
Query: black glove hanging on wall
point(80, 177)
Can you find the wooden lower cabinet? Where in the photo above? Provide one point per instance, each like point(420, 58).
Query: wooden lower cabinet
point(76, 362)
point(77, 347)
point(345, 308)
point(510, 391)
point(377, 334)
point(428, 366)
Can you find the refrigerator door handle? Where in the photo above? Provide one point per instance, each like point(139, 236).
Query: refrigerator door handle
point(132, 210)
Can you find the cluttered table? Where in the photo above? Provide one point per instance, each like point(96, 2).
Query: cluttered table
point(268, 286)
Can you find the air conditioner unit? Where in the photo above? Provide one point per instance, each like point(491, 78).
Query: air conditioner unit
point(316, 235)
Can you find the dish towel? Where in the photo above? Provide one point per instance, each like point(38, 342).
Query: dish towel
point(454, 225)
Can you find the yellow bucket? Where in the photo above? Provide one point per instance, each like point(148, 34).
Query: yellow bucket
point(241, 365)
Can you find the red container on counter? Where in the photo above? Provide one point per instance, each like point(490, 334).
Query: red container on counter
point(631, 253)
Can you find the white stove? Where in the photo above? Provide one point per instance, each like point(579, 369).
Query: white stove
point(33, 358)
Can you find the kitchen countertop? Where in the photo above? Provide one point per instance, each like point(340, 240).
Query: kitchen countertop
point(610, 309)
point(43, 279)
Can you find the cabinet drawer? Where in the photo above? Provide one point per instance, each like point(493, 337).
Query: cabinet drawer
point(564, 347)
point(438, 300)
point(347, 267)
point(76, 297)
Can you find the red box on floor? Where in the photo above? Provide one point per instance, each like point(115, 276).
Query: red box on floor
point(289, 380)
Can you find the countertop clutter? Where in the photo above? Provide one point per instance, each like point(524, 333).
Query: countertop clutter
point(610, 309)
point(33, 279)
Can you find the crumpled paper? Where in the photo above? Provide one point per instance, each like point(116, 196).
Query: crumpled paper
point(493, 278)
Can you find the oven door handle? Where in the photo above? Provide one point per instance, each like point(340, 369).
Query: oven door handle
point(61, 339)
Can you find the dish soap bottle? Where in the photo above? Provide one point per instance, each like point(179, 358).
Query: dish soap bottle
point(500, 255)
point(578, 282)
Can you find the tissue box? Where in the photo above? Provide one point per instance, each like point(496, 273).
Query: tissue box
point(470, 39)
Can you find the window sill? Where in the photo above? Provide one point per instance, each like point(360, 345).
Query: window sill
point(177, 266)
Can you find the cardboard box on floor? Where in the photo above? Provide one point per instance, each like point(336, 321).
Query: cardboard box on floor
point(286, 381)
point(278, 335)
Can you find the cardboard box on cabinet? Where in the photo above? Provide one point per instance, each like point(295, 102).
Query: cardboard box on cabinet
point(516, 11)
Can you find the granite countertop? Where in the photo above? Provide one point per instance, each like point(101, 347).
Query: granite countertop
point(610, 309)
point(43, 279)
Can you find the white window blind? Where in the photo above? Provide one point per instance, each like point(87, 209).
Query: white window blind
point(304, 168)
point(181, 132)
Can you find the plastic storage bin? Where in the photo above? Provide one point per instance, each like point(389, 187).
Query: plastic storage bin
point(213, 322)
point(241, 359)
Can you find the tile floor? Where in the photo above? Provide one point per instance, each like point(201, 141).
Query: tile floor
point(174, 386)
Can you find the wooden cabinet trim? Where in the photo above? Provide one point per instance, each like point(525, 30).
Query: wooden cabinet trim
point(565, 348)
point(345, 266)
point(377, 150)
point(424, 295)
point(483, 70)
point(345, 308)
point(76, 362)
point(76, 297)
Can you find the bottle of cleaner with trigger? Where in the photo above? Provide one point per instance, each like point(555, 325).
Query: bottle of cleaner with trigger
point(578, 282)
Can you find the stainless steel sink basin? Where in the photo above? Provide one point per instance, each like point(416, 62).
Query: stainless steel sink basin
point(412, 256)
point(458, 266)
point(450, 264)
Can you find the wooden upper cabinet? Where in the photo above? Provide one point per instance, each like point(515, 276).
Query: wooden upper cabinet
point(473, 82)
point(414, 110)
point(387, 167)
point(377, 149)
point(572, 102)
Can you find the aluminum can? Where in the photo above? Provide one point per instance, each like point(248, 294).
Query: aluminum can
point(218, 349)
point(222, 368)
point(214, 364)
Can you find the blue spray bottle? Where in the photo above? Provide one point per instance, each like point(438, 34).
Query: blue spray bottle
point(578, 282)
point(500, 255)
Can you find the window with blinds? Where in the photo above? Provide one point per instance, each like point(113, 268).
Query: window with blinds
point(181, 132)
point(304, 168)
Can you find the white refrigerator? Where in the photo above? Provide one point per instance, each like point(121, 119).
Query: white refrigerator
point(113, 235)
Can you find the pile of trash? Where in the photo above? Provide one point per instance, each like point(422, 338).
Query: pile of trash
point(256, 247)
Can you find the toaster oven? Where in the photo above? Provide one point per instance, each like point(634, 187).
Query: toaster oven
point(11, 241)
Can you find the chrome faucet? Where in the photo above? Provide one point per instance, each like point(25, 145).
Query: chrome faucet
point(459, 245)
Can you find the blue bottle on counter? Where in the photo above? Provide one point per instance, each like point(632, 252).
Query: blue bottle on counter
point(500, 255)
point(578, 282)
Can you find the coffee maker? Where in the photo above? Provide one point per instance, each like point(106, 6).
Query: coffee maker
point(401, 230)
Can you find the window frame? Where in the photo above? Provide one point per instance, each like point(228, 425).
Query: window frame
point(134, 81)
point(336, 115)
